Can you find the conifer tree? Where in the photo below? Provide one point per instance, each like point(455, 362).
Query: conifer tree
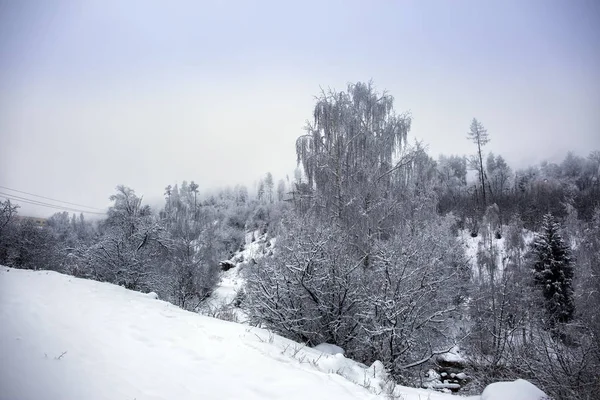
point(478, 135)
point(553, 271)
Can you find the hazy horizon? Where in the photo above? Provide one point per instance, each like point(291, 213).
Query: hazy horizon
point(106, 93)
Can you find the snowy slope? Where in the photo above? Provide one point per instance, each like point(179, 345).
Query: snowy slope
point(473, 244)
point(68, 338)
point(256, 246)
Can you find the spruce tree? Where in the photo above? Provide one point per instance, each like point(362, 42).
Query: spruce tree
point(553, 271)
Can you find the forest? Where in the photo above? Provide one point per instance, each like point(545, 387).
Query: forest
point(371, 250)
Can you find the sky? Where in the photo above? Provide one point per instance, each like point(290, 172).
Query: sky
point(150, 93)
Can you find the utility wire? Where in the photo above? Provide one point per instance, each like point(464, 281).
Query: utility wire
point(48, 198)
point(36, 203)
point(19, 199)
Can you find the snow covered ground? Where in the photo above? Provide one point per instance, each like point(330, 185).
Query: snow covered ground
point(473, 244)
point(67, 338)
point(256, 246)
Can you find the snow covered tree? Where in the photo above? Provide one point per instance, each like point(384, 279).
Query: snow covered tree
point(310, 289)
point(191, 272)
point(269, 184)
point(417, 283)
point(316, 289)
point(280, 190)
point(478, 135)
point(241, 194)
point(350, 154)
point(131, 242)
point(515, 243)
point(588, 280)
point(498, 174)
point(453, 169)
point(8, 211)
point(194, 189)
point(553, 271)
point(260, 191)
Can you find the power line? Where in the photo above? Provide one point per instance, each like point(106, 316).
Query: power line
point(37, 203)
point(19, 199)
point(49, 198)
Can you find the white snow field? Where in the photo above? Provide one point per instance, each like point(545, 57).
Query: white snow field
point(67, 338)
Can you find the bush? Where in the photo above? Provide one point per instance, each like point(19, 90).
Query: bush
point(309, 290)
point(393, 309)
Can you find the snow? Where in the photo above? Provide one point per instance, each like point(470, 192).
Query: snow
point(67, 338)
point(473, 244)
point(328, 348)
point(232, 281)
point(453, 356)
point(516, 390)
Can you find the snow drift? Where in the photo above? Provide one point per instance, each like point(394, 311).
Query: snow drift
point(67, 338)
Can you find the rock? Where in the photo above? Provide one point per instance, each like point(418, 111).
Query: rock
point(226, 265)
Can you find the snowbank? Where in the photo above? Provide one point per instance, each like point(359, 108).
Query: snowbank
point(68, 338)
point(516, 390)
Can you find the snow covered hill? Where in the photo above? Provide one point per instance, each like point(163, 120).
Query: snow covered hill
point(67, 338)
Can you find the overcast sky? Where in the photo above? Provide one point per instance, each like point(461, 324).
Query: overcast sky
point(150, 93)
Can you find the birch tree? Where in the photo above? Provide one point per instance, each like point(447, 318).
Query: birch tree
point(349, 154)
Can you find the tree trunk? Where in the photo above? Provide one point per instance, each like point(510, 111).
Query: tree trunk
point(481, 176)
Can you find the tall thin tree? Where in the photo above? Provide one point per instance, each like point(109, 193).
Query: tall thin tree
point(478, 135)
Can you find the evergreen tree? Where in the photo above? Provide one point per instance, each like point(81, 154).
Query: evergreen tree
point(553, 271)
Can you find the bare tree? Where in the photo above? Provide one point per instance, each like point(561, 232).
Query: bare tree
point(7, 213)
point(131, 241)
point(419, 280)
point(310, 289)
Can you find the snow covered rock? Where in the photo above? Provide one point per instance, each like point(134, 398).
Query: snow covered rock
point(329, 348)
point(451, 359)
point(152, 295)
point(448, 373)
point(461, 376)
point(226, 265)
point(515, 390)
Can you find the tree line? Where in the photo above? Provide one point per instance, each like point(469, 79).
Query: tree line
point(370, 252)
